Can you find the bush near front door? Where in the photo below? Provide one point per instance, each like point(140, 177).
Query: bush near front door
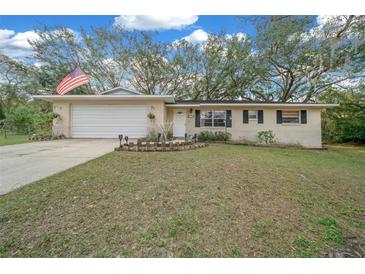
point(214, 136)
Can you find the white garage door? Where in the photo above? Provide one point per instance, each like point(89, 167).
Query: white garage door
point(108, 121)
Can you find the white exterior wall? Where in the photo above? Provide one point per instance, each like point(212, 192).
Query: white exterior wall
point(306, 135)
point(63, 124)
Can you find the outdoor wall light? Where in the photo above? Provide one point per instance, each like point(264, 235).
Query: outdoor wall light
point(120, 136)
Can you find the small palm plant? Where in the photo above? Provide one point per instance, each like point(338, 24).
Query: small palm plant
point(165, 128)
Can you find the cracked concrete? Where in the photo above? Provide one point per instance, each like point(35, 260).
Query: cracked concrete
point(25, 163)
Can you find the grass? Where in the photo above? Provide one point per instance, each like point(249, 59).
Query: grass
point(218, 201)
point(13, 139)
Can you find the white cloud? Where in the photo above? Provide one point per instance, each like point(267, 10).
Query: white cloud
point(325, 19)
point(240, 36)
point(5, 33)
point(16, 45)
point(20, 40)
point(327, 27)
point(198, 36)
point(39, 64)
point(154, 22)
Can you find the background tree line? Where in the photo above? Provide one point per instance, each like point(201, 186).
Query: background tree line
point(287, 59)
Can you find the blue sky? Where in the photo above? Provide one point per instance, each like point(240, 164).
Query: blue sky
point(16, 30)
point(212, 24)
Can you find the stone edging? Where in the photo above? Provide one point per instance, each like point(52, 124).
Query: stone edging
point(160, 146)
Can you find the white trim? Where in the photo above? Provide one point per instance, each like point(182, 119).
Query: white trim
point(120, 88)
point(170, 99)
point(54, 98)
point(255, 105)
point(212, 126)
point(182, 105)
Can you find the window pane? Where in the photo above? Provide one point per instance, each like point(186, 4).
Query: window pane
point(206, 122)
point(252, 114)
point(291, 116)
point(291, 120)
point(213, 118)
point(206, 114)
point(220, 114)
point(219, 122)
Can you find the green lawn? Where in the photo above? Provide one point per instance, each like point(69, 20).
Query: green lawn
point(218, 201)
point(13, 139)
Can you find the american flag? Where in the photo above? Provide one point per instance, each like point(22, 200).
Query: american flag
point(72, 80)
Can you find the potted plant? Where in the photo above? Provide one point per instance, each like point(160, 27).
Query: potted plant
point(151, 116)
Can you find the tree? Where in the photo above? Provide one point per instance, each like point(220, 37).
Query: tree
point(148, 64)
point(219, 68)
point(103, 54)
point(297, 62)
point(345, 123)
point(288, 59)
point(160, 68)
point(240, 74)
point(13, 82)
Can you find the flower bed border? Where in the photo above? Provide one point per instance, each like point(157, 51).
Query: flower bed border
point(160, 146)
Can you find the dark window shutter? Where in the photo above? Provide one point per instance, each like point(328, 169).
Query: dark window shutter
point(260, 116)
point(303, 116)
point(197, 118)
point(245, 116)
point(279, 117)
point(228, 118)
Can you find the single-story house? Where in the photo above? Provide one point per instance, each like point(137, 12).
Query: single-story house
point(122, 111)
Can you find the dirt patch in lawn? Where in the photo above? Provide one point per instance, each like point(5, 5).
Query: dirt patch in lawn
point(219, 201)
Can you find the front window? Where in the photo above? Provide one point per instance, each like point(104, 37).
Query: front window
point(213, 118)
point(290, 116)
point(252, 114)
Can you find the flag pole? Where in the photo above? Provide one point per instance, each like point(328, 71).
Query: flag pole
point(89, 84)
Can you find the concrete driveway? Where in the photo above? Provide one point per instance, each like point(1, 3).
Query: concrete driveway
point(26, 163)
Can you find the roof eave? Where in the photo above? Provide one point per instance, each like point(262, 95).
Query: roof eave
point(254, 105)
point(55, 98)
point(120, 88)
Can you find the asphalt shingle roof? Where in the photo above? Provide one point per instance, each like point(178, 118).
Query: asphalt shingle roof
point(192, 102)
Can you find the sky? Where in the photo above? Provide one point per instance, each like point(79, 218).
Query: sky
point(16, 30)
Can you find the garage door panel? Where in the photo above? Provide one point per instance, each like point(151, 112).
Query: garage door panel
point(107, 121)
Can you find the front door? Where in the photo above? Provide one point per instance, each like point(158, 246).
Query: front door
point(179, 123)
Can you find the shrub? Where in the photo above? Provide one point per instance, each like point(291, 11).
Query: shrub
point(170, 136)
point(266, 137)
point(151, 116)
point(42, 124)
point(29, 119)
point(152, 137)
point(20, 120)
point(2, 114)
point(213, 136)
point(345, 123)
